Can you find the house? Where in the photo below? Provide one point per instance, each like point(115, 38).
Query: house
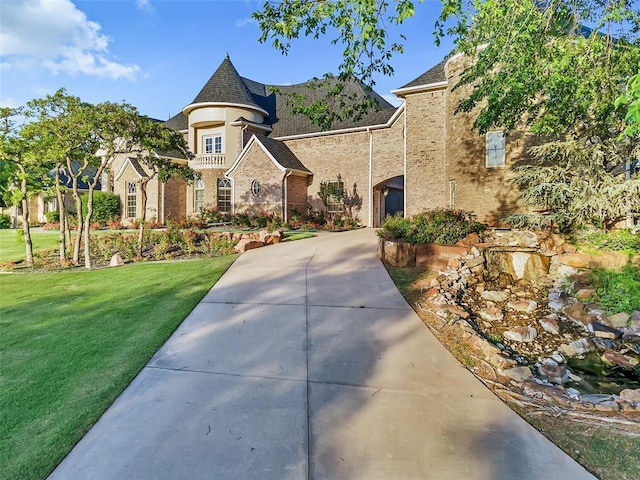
point(255, 155)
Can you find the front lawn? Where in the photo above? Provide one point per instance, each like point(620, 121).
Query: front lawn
point(12, 248)
point(71, 341)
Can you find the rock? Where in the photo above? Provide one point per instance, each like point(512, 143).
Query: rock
point(526, 306)
point(596, 398)
point(577, 347)
point(521, 334)
point(271, 238)
point(491, 314)
point(247, 244)
point(555, 373)
point(499, 361)
point(619, 320)
point(576, 313)
point(550, 324)
point(399, 254)
point(608, 406)
point(518, 374)
point(602, 331)
point(494, 295)
point(116, 261)
point(559, 300)
point(573, 393)
point(504, 279)
point(575, 260)
point(616, 358)
point(631, 396)
point(585, 294)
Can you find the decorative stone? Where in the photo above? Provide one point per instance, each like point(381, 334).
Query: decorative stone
point(577, 347)
point(399, 254)
point(595, 398)
point(521, 334)
point(526, 306)
point(631, 396)
point(576, 313)
point(491, 314)
point(619, 320)
point(494, 295)
point(550, 369)
point(116, 261)
point(271, 238)
point(518, 374)
point(602, 331)
point(573, 393)
point(247, 244)
point(608, 406)
point(585, 294)
point(616, 358)
point(550, 324)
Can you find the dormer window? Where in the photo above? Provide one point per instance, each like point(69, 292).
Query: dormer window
point(212, 144)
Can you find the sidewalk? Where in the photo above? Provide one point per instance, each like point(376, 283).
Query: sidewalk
point(305, 362)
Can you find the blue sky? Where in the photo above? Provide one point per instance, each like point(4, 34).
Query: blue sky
point(157, 54)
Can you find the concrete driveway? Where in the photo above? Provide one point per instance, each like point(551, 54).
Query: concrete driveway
point(305, 362)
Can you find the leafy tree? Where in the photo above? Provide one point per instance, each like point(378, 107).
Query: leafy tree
point(23, 172)
point(156, 147)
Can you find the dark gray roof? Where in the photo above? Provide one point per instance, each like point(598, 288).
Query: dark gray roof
point(433, 75)
point(137, 167)
point(283, 155)
point(226, 86)
point(177, 122)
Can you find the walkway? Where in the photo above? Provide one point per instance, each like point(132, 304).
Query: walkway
point(304, 362)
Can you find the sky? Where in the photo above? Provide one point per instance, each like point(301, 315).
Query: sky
point(157, 54)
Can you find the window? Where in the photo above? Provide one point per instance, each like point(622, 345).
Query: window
point(213, 144)
point(132, 190)
point(255, 188)
point(199, 195)
point(224, 195)
point(335, 197)
point(495, 149)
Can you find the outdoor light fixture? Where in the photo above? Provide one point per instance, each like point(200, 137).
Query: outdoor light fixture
point(385, 191)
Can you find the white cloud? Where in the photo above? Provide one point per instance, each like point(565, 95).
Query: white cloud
point(145, 5)
point(243, 22)
point(55, 35)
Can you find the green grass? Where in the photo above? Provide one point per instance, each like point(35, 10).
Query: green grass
point(293, 235)
point(12, 248)
point(618, 291)
point(71, 341)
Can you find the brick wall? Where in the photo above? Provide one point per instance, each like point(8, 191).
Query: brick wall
point(426, 183)
point(210, 177)
point(257, 166)
point(297, 194)
point(175, 203)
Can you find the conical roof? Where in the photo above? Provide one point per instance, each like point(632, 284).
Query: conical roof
point(226, 86)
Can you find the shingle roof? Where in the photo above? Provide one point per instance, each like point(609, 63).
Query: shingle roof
point(178, 122)
point(226, 86)
point(283, 155)
point(433, 75)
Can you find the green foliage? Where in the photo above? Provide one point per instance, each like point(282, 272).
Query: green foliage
point(5, 221)
point(613, 240)
point(53, 216)
point(574, 183)
point(443, 226)
point(106, 207)
point(631, 99)
point(618, 291)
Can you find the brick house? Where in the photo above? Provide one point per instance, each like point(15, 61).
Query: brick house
point(255, 155)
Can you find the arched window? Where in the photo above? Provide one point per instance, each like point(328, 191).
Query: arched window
point(255, 188)
point(199, 195)
point(224, 195)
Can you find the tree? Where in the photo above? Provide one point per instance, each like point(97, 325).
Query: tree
point(23, 171)
point(156, 147)
point(556, 67)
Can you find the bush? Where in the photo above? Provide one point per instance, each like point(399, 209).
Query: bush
point(442, 225)
point(5, 221)
point(613, 240)
point(618, 291)
point(106, 207)
point(52, 217)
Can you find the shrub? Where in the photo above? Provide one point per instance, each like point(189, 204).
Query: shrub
point(106, 207)
point(442, 225)
point(613, 240)
point(5, 221)
point(52, 217)
point(618, 291)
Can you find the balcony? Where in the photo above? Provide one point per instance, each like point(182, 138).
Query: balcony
point(208, 160)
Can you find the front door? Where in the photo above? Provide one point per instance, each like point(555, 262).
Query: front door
point(394, 201)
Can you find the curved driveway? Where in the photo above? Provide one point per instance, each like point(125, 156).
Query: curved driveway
point(305, 362)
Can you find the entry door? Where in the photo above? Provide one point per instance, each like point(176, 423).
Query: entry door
point(394, 202)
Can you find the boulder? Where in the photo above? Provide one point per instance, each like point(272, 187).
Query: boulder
point(526, 306)
point(585, 294)
point(518, 374)
point(577, 313)
point(619, 320)
point(521, 334)
point(618, 359)
point(491, 314)
point(247, 244)
point(494, 295)
point(435, 257)
point(116, 261)
point(550, 324)
point(578, 347)
point(271, 238)
point(631, 396)
point(399, 254)
point(555, 373)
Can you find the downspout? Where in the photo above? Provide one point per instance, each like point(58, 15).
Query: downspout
point(370, 177)
point(162, 204)
point(285, 210)
point(404, 160)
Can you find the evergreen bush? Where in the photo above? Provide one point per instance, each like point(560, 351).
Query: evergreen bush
point(106, 207)
point(5, 221)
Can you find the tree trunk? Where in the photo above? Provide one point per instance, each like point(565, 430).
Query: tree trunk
point(77, 241)
point(143, 204)
point(87, 233)
point(25, 222)
point(62, 215)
